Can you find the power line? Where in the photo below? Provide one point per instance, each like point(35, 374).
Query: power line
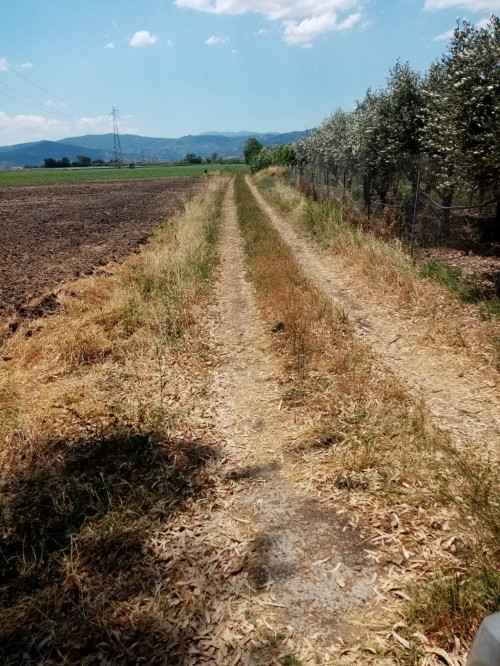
point(34, 101)
point(45, 90)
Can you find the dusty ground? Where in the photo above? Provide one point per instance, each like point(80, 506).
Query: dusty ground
point(291, 570)
point(298, 544)
point(50, 234)
point(464, 397)
point(263, 571)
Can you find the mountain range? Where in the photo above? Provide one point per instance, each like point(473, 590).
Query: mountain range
point(139, 148)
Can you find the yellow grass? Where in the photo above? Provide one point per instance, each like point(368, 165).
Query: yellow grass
point(370, 447)
point(383, 273)
point(101, 441)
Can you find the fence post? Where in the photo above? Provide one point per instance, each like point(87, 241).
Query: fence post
point(415, 213)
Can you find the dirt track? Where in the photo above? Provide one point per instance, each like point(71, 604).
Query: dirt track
point(464, 399)
point(50, 234)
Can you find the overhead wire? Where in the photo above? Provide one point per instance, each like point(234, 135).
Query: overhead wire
point(22, 76)
point(34, 101)
point(33, 83)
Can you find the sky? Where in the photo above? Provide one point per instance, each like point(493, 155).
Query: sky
point(177, 67)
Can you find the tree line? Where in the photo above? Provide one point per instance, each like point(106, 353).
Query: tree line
point(81, 161)
point(439, 130)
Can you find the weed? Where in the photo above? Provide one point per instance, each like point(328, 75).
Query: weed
point(375, 443)
point(453, 279)
point(383, 268)
point(294, 305)
point(95, 461)
point(290, 660)
point(249, 617)
point(449, 606)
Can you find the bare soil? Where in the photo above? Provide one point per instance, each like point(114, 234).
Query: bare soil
point(483, 270)
point(52, 233)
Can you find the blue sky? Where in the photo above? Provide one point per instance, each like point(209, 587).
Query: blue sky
point(190, 66)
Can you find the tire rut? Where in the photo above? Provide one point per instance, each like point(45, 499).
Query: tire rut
point(463, 399)
point(299, 551)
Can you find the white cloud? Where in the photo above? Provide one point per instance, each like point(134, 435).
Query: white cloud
point(20, 128)
point(101, 124)
point(26, 65)
point(170, 42)
point(471, 5)
point(213, 40)
point(302, 20)
point(29, 124)
point(143, 38)
point(234, 53)
point(110, 45)
point(304, 32)
point(444, 36)
point(260, 32)
point(51, 104)
point(3, 64)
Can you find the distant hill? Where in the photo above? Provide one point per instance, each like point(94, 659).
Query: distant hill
point(137, 148)
point(242, 133)
point(34, 153)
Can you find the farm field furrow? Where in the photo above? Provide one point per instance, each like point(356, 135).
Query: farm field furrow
point(50, 234)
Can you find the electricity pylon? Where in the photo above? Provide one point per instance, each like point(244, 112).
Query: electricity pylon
point(116, 138)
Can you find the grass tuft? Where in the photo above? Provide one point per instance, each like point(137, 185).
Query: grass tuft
point(102, 445)
point(373, 446)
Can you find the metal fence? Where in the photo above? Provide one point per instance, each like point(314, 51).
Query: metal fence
point(409, 206)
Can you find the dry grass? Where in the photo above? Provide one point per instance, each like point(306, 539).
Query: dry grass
point(102, 444)
point(384, 275)
point(371, 449)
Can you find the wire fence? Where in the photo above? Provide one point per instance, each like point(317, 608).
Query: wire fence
point(409, 206)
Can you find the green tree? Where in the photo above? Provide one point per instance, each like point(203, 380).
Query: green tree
point(83, 161)
point(463, 117)
point(252, 149)
point(192, 158)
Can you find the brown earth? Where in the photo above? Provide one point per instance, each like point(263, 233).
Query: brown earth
point(52, 233)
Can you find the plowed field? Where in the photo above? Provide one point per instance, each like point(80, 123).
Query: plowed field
point(50, 234)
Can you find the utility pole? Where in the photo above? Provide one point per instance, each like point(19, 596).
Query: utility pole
point(116, 138)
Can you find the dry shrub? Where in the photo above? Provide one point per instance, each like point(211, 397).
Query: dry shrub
point(385, 275)
point(371, 447)
point(271, 172)
point(101, 444)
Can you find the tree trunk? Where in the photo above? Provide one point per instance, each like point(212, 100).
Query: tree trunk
point(446, 201)
point(367, 194)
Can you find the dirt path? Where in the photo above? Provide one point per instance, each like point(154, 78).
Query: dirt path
point(303, 569)
point(464, 399)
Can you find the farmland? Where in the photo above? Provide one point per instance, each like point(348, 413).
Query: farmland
point(42, 176)
point(237, 426)
point(52, 233)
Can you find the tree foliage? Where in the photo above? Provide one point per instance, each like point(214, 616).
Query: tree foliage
point(252, 149)
point(449, 117)
point(272, 156)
